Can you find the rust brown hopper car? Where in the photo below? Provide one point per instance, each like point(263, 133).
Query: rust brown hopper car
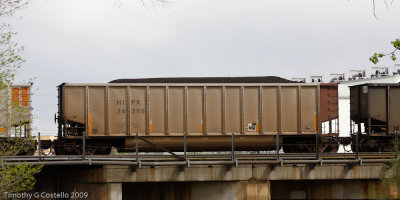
point(207, 110)
point(375, 116)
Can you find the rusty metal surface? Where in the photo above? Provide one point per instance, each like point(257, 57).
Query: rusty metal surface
point(354, 103)
point(395, 109)
point(329, 101)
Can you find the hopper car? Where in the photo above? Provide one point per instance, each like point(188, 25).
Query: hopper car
point(260, 112)
point(375, 116)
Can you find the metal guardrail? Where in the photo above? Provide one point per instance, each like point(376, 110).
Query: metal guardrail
point(132, 161)
point(188, 163)
point(234, 159)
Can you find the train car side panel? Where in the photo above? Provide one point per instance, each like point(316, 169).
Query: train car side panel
point(97, 102)
point(138, 110)
point(74, 104)
point(270, 109)
point(214, 110)
point(251, 109)
point(329, 108)
point(195, 110)
point(394, 106)
point(176, 108)
point(117, 101)
point(289, 114)
point(157, 110)
point(308, 110)
point(377, 103)
point(232, 104)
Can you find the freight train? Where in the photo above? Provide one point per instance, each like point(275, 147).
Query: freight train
point(208, 114)
point(260, 112)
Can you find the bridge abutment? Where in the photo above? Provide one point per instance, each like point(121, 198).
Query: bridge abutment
point(122, 182)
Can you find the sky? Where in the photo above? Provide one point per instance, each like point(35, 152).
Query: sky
point(96, 41)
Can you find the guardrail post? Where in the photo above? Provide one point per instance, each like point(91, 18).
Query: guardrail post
point(396, 148)
point(40, 147)
point(357, 142)
point(317, 146)
point(137, 147)
point(83, 145)
point(277, 146)
point(184, 145)
point(233, 146)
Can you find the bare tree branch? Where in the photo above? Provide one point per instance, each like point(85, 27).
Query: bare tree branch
point(374, 10)
point(387, 8)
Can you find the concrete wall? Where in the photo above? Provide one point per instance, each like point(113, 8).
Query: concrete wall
point(330, 189)
point(216, 182)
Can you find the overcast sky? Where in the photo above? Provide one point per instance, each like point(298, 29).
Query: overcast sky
point(81, 41)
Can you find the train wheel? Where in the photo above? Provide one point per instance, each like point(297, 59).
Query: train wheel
point(331, 146)
point(59, 148)
point(368, 145)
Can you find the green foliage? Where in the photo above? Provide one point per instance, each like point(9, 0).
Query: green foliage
point(9, 7)
point(396, 45)
point(10, 59)
point(17, 177)
point(391, 173)
point(13, 146)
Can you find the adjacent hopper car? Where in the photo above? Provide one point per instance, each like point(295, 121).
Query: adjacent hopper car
point(375, 116)
point(261, 112)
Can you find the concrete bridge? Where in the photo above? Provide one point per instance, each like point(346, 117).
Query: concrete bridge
point(215, 181)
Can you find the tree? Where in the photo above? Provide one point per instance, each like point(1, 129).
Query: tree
point(9, 7)
point(14, 177)
point(396, 45)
